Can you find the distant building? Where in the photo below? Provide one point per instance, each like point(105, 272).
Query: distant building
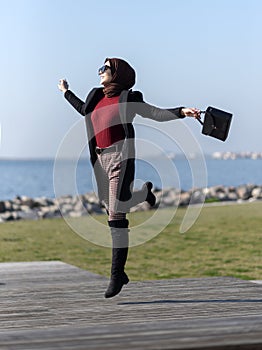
point(235, 155)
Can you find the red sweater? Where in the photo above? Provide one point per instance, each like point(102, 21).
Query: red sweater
point(106, 122)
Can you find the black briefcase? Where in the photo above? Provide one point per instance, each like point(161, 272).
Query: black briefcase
point(216, 123)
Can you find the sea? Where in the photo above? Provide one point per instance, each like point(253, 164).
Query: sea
point(51, 178)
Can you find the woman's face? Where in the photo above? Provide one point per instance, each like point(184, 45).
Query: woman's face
point(106, 76)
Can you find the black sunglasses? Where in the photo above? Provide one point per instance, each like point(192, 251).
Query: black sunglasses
point(103, 69)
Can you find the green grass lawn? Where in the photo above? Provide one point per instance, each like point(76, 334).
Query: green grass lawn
point(224, 241)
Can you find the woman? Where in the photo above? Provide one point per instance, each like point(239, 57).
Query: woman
point(109, 112)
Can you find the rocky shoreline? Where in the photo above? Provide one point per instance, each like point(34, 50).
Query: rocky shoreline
point(22, 207)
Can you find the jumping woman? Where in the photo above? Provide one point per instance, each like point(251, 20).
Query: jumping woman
point(109, 112)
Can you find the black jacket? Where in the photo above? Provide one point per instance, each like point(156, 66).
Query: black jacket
point(130, 104)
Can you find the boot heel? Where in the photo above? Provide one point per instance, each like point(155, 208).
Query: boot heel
point(125, 278)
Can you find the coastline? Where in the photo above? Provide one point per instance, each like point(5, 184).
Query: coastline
point(26, 208)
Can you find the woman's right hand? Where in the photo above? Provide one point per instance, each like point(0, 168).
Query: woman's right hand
point(63, 85)
point(191, 112)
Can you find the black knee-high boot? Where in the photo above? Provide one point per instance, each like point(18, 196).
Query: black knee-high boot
point(119, 232)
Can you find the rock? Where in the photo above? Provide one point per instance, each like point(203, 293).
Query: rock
point(28, 215)
point(257, 193)
point(252, 199)
point(49, 212)
point(197, 196)
point(2, 207)
point(232, 196)
point(26, 201)
point(63, 200)
point(168, 197)
point(244, 191)
point(9, 206)
point(42, 202)
point(17, 200)
point(8, 216)
point(16, 207)
point(88, 207)
point(96, 208)
point(79, 207)
point(92, 198)
point(24, 208)
point(184, 198)
point(217, 192)
point(66, 208)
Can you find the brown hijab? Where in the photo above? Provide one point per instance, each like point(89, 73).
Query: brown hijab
point(123, 77)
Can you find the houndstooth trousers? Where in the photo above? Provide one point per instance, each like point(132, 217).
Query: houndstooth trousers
point(111, 165)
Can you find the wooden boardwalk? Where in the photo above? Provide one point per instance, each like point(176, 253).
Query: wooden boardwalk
point(52, 305)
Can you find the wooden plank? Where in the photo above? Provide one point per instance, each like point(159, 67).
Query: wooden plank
point(52, 305)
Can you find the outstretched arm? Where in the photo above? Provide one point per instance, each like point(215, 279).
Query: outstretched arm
point(147, 110)
point(71, 97)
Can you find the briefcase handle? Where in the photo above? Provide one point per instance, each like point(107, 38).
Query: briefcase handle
point(200, 121)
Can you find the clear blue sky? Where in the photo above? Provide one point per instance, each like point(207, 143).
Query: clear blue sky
point(193, 53)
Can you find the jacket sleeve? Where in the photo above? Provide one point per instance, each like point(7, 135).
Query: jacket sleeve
point(78, 104)
point(149, 111)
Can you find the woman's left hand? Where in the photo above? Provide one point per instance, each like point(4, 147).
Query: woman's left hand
point(63, 85)
point(190, 112)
